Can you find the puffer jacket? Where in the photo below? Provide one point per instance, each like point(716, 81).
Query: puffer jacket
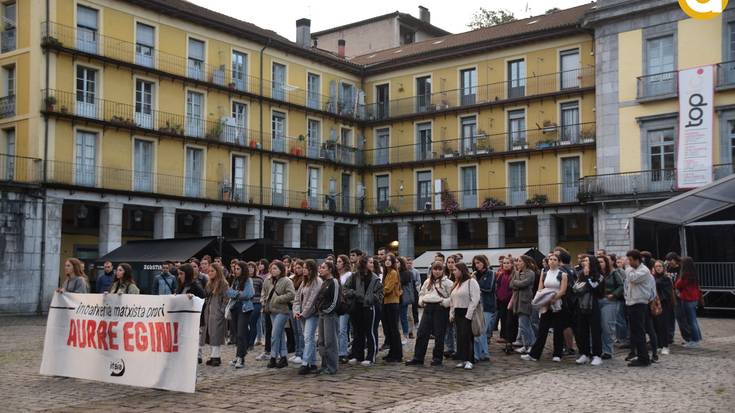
point(282, 297)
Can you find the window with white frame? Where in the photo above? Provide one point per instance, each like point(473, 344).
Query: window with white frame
point(278, 183)
point(278, 131)
point(314, 144)
point(87, 27)
point(143, 165)
point(85, 158)
point(145, 41)
point(196, 59)
point(569, 64)
point(313, 87)
point(240, 70)
point(194, 114)
point(194, 172)
point(144, 103)
point(239, 178)
point(569, 122)
point(468, 177)
point(313, 182)
point(86, 93)
point(517, 129)
point(516, 78)
point(382, 185)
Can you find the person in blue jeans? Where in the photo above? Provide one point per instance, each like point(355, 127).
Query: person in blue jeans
point(343, 271)
point(450, 338)
point(689, 295)
point(407, 297)
point(486, 279)
point(279, 293)
point(256, 321)
point(304, 310)
point(242, 309)
point(297, 277)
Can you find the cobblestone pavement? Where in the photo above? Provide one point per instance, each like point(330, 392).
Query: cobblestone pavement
point(697, 380)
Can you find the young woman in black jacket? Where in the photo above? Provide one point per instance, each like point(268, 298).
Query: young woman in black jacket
point(588, 289)
point(189, 285)
point(665, 292)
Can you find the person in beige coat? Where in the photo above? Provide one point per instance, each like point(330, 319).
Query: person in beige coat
point(304, 310)
point(213, 314)
point(522, 285)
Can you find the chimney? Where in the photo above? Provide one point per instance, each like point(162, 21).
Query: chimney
point(303, 33)
point(341, 48)
point(424, 14)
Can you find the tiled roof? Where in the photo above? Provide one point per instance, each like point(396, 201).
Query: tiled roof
point(428, 27)
point(500, 33)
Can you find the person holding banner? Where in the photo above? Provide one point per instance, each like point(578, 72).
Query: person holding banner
point(214, 313)
point(124, 283)
point(241, 293)
point(74, 279)
point(189, 285)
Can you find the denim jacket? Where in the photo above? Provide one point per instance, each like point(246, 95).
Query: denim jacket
point(244, 298)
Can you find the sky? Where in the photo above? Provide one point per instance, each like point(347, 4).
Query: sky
point(281, 15)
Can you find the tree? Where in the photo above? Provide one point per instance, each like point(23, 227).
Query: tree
point(486, 18)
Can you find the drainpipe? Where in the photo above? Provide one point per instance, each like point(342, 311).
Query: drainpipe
point(44, 206)
point(260, 99)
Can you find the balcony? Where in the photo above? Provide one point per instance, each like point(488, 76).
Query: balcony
point(7, 40)
point(7, 106)
point(658, 86)
point(73, 40)
point(528, 196)
point(225, 130)
point(500, 92)
point(20, 169)
point(547, 137)
point(637, 184)
point(67, 174)
point(725, 75)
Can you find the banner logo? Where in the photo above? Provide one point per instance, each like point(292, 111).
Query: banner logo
point(117, 368)
point(703, 9)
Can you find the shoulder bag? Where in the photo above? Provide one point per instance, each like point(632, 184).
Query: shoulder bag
point(478, 316)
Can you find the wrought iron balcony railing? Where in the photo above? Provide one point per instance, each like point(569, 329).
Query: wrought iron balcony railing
point(7, 106)
point(7, 40)
point(658, 86)
point(20, 169)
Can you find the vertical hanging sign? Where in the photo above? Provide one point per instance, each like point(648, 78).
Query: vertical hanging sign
point(696, 102)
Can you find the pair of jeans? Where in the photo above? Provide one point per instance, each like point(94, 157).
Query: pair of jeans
point(527, 335)
point(685, 328)
point(535, 320)
point(481, 350)
point(609, 310)
point(690, 311)
point(548, 320)
point(588, 328)
point(638, 314)
point(405, 325)
point(298, 335)
point(393, 336)
point(328, 332)
point(465, 339)
point(661, 324)
point(259, 328)
point(433, 321)
point(344, 334)
point(365, 334)
point(622, 329)
point(309, 326)
point(450, 338)
point(241, 326)
point(278, 335)
point(255, 322)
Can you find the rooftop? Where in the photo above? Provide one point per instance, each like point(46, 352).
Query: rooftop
point(404, 17)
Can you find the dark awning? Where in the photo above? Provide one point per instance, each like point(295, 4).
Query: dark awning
point(693, 205)
point(174, 249)
point(242, 245)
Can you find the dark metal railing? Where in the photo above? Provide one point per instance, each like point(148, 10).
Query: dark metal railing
point(7, 40)
point(20, 169)
point(7, 106)
point(658, 85)
point(725, 74)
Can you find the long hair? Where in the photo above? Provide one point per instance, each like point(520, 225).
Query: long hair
point(312, 271)
point(688, 271)
point(252, 269)
point(281, 266)
point(608, 265)
point(331, 266)
point(361, 268)
point(217, 284)
point(127, 277)
point(529, 263)
point(188, 271)
point(266, 265)
point(76, 266)
point(436, 265)
point(402, 264)
point(345, 262)
point(447, 271)
point(663, 269)
point(393, 261)
point(464, 276)
point(483, 259)
point(242, 279)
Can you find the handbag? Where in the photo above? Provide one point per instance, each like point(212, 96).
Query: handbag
point(478, 317)
point(655, 306)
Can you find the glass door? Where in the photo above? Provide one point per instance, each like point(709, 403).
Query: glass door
point(469, 135)
point(87, 29)
point(346, 178)
point(423, 141)
point(86, 158)
point(570, 69)
point(86, 92)
point(238, 178)
point(143, 178)
point(277, 183)
point(194, 114)
point(278, 90)
point(468, 87)
point(517, 183)
point(469, 187)
point(381, 147)
point(240, 70)
point(278, 130)
point(144, 104)
point(569, 179)
point(194, 169)
point(423, 93)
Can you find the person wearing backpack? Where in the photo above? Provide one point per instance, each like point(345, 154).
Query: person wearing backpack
point(165, 282)
point(486, 279)
point(327, 301)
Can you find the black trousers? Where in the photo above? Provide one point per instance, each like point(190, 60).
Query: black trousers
point(510, 327)
point(651, 331)
point(465, 339)
point(415, 306)
point(268, 327)
point(434, 321)
point(589, 325)
point(390, 328)
point(548, 320)
point(365, 334)
point(241, 329)
point(662, 324)
point(638, 314)
point(500, 318)
point(290, 339)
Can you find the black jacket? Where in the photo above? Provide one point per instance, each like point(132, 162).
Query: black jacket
point(326, 300)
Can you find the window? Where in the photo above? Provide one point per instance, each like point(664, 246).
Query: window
point(569, 122)
point(279, 82)
point(468, 86)
point(346, 191)
point(196, 59)
point(7, 170)
point(423, 190)
point(144, 104)
point(468, 176)
point(347, 98)
point(382, 97)
point(423, 141)
point(86, 92)
point(517, 183)
point(423, 93)
point(662, 154)
point(86, 158)
point(143, 174)
point(727, 69)
point(346, 152)
point(314, 139)
point(313, 187)
point(7, 37)
point(194, 114)
point(194, 172)
point(468, 135)
point(382, 154)
point(730, 142)
point(87, 29)
point(278, 183)
point(570, 69)
point(238, 132)
point(238, 178)
point(408, 36)
point(145, 40)
point(240, 70)
point(517, 129)
point(516, 78)
point(278, 131)
point(382, 185)
point(659, 66)
point(569, 179)
point(313, 86)
point(7, 102)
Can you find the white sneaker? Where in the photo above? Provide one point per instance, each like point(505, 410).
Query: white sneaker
point(517, 344)
point(366, 363)
point(459, 365)
point(239, 363)
point(556, 359)
point(352, 361)
point(583, 359)
point(596, 361)
point(233, 362)
point(522, 350)
point(665, 351)
point(263, 356)
point(527, 357)
point(296, 360)
point(692, 344)
point(468, 365)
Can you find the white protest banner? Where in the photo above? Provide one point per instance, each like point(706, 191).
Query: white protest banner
point(696, 105)
point(138, 340)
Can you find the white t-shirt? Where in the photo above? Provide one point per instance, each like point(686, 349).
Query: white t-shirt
point(343, 278)
point(551, 280)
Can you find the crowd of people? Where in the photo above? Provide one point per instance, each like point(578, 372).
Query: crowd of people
point(336, 307)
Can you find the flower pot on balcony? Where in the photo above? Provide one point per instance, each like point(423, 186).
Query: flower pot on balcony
point(231, 86)
point(296, 151)
point(253, 143)
point(304, 204)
